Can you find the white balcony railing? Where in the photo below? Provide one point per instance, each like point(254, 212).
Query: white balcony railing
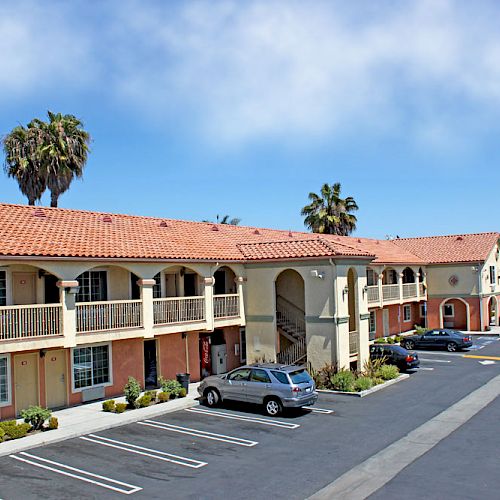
point(108, 315)
point(26, 322)
point(373, 294)
point(226, 306)
point(353, 343)
point(390, 292)
point(178, 310)
point(409, 290)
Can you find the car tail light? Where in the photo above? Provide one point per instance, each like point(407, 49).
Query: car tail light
point(409, 358)
point(295, 389)
point(467, 339)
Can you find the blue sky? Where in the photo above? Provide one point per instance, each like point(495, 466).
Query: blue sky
point(243, 108)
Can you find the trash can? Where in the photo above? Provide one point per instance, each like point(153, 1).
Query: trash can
point(183, 379)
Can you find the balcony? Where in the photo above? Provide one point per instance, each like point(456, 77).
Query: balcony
point(226, 306)
point(108, 315)
point(30, 322)
point(173, 310)
point(391, 294)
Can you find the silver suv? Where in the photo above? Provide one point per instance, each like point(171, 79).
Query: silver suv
point(271, 384)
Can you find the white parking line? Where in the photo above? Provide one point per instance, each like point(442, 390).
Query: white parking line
point(130, 487)
point(320, 410)
point(198, 433)
point(435, 360)
point(426, 369)
point(244, 418)
point(139, 450)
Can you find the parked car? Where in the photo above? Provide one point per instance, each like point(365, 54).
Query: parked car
point(395, 355)
point(452, 340)
point(273, 385)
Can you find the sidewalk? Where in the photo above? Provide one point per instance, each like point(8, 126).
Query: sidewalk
point(89, 418)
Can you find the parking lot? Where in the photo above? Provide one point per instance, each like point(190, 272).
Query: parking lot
point(236, 451)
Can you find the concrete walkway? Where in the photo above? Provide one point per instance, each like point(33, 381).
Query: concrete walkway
point(89, 418)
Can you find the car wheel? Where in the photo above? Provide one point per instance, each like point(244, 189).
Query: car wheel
point(212, 398)
point(409, 344)
point(273, 407)
point(451, 346)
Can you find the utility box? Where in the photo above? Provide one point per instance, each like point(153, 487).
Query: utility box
point(219, 359)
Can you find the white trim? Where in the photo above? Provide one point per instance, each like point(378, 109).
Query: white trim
point(110, 359)
point(406, 307)
point(9, 382)
point(452, 315)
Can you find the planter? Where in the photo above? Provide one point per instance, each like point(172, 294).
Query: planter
point(361, 394)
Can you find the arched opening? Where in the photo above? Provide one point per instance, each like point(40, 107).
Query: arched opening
point(389, 277)
point(178, 281)
point(224, 281)
point(351, 299)
point(408, 275)
point(492, 311)
point(371, 277)
point(455, 314)
point(290, 316)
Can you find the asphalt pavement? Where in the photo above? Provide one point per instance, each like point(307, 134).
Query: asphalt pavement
point(237, 452)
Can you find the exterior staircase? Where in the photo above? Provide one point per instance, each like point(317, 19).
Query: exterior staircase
point(291, 323)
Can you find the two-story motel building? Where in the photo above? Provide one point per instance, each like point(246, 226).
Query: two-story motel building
point(88, 299)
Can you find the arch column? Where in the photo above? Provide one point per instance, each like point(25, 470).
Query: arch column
point(147, 307)
point(240, 280)
point(209, 302)
point(67, 293)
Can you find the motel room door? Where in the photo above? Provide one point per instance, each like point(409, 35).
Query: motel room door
point(56, 378)
point(26, 380)
point(23, 289)
point(385, 318)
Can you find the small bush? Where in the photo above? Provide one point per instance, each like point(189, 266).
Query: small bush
point(171, 386)
point(398, 338)
point(152, 394)
point(35, 416)
point(388, 372)
point(132, 391)
point(372, 366)
point(2, 434)
point(343, 381)
point(108, 405)
point(143, 401)
point(14, 430)
point(390, 340)
point(363, 384)
point(419, 330)
point(381, 340)
point(163, 396)
point(322, 377)
point(378, 381)
point(120, 407)
point(53, 423)
point(182, 393)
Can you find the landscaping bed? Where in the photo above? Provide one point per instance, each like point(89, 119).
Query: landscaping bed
point(375, 388)
point(34, 422)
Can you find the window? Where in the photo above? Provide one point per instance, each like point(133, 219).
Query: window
point(243, 345)
point(4, 380)
point(91, 366)
point(240, 374)
point(423, 310)
point(300, 377)
point(3, 288)
point(492, 275)
point(281, 377)
point(370, 277)
point(157, 287)
point(373, 324)
point(407, 313)
point(260, 376)
point(448, 310)
point(93, 286)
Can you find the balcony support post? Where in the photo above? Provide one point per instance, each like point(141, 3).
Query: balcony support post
point(67, 294)
point(209, 302)
point(380, 290)
point(240, 280)
point(400, 283)
point(146, 286)
point(417, 284)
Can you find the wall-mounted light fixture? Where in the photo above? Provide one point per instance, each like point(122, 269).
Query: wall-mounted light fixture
point(365, 290)
point(345, 291)
point(317, 274)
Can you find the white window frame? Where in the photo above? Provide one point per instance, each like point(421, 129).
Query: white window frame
point(452, 315)
point(9, 382)
point(406, 308)
point(374, 322)
point(110, 359)
point(108, 288)
point(4, 272)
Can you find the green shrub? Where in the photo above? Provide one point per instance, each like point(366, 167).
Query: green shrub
point(419, 330)
point(152, 394)
point(163, 396)
point(323, 375)
point(343, 381)
point(53, 423)
point(14, 430)
point(171, 386)
point(398, 338)
point(381, 340)
point(108, 405)
point(36, 416)
point(132, 391)
point(182, 393)
point(390, 340)
point(363, 383)
point(372, 366)
point(120, 407)
point(388, 372)
point(143, 401)
point(7, 424)
point(2, 434)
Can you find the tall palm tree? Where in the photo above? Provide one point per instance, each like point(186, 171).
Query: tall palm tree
point(225, 220)
point(64, 152)
point(23, 160)
point(328, 213)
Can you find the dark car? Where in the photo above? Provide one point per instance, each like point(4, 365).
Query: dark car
point(395, 355)
point(452, 340)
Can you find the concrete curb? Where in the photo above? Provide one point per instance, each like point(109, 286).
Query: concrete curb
point(107, 421)
point(362, 394)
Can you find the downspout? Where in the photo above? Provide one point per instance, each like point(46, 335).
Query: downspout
point(479, 274)
point(337, 340)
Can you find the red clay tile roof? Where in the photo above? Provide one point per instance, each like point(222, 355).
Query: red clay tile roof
point(55, 232)
point(451, 249)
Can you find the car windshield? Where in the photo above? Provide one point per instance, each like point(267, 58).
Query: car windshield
point(300, 377)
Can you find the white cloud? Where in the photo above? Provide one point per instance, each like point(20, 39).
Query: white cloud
point(243, 71)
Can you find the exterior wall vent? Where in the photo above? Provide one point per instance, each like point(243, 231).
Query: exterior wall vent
point(256, 231)
point(459, 238)
point(39, 213)
point(107, 219)
point(290, 234)
point(215, 228)
point(163, 224)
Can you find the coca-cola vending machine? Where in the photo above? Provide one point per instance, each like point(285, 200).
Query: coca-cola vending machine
point(206, 359)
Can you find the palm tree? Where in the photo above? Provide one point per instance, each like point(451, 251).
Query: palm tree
point(23, 159)
point(226, 220)
point(64, 152)
point(329, 213)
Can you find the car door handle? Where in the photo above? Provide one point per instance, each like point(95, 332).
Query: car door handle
point(268, 386)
